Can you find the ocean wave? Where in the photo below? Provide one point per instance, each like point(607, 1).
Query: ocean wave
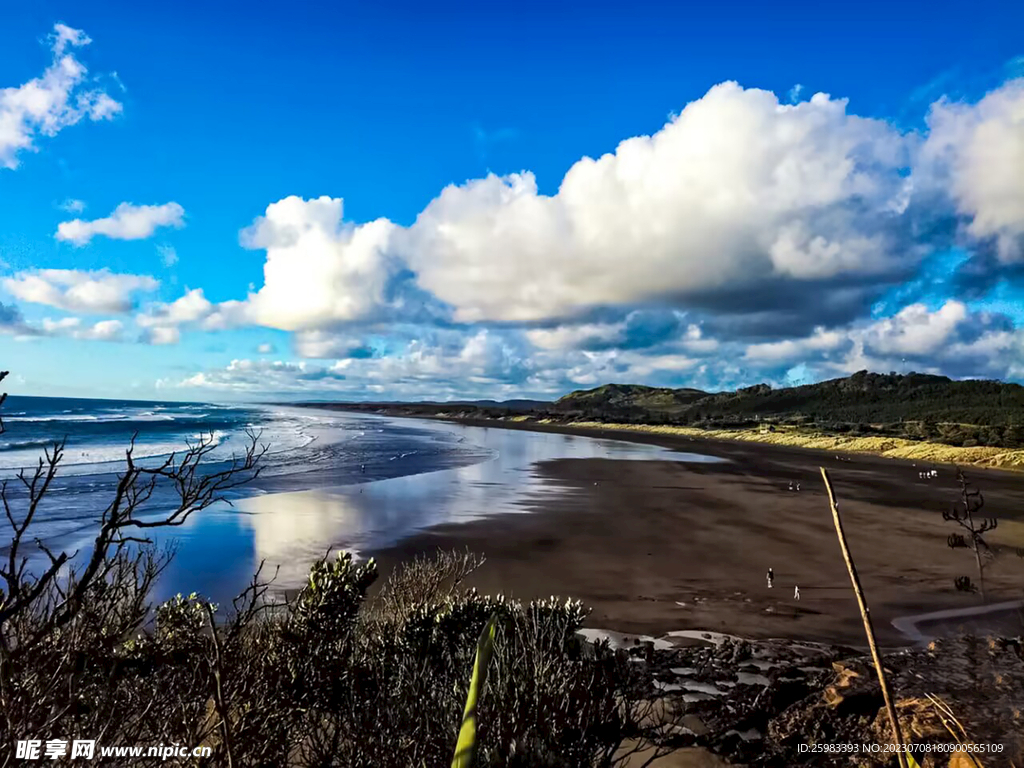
point(66, 417)
point(93, 456)
point(79, 458)
point(57, 417)
point(153, 416)
point(24, 445)
point(97, 443)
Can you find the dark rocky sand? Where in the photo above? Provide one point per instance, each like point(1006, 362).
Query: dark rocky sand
point(655, 546)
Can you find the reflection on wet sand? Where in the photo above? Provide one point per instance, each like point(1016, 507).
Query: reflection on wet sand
point(218, 550)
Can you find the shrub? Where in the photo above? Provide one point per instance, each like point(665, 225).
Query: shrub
point(331, 677)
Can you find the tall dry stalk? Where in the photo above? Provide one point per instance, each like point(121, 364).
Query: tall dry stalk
point(963, 513)
point(865, 614)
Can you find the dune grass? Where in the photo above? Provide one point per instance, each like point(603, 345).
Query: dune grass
point(889, 447)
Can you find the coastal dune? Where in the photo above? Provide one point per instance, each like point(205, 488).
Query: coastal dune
point(887, 447)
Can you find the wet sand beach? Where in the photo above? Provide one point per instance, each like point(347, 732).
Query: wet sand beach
point(659, 545)
point(407, 486)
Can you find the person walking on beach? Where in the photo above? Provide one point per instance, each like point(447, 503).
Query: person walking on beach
point(796, 593)
point(771, 578)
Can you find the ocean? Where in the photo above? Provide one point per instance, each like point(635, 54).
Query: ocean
point(300, 440)
point(330, 480)
point(306, 449)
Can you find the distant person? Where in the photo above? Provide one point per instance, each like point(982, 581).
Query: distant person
point(798, 486)
point(796, 593)
point(771, 578)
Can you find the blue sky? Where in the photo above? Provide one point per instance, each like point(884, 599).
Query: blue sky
point(395, 200)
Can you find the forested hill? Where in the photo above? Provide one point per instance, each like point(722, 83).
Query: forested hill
point(869, 398)
point(914, 406)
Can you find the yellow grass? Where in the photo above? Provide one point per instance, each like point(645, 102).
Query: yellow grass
point(890, 447)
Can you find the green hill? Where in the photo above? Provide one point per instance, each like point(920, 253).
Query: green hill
point(915, 405)
point(626, 399)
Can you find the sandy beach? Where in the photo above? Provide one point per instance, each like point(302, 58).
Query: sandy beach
point(655, 546)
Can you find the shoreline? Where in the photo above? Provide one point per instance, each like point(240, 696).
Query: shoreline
point(890, 448)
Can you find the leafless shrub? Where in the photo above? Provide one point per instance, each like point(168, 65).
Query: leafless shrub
point(422, 579)
point(965, 514)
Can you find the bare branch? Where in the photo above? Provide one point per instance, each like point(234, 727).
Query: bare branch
point(963, 513)
point(218, 674)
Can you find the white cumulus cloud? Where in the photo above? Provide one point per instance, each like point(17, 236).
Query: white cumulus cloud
point(193, 307)
point(916, 330)
point(950, 339)
point(79, 291)
point(161, 335)
point(736, 189)
point(56, 99)
point(766, 216)
point(319, 270)
point(979, 148)
point(104, 330)
point(127, 222)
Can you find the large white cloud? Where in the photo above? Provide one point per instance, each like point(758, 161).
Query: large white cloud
point(319, 270)
point(127, 222)
point(79, 291)
point(979, 152)
point(786, 215)
point(736, 189)
point(51, 102)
